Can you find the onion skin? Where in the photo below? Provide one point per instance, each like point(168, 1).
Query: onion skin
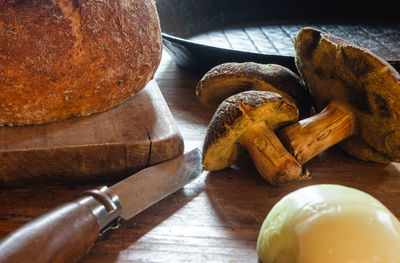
point(332, 223)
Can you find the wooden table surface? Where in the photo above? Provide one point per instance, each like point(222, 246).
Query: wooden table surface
point(214, 219)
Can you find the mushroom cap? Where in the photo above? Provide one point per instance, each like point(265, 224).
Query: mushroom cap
point(234, 116)
point(336, 69)
point(230, 78)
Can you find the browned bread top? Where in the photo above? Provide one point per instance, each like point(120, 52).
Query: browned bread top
point(66, 58)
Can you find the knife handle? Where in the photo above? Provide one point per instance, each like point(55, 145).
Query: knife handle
point(64, 234)
point(61, 235)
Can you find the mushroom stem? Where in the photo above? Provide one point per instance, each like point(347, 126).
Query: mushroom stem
point(270, 157)
point(309, 137)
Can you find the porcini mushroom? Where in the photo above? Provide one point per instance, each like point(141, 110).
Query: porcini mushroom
point(230, 78)
point(248, 119)
point(358, 96)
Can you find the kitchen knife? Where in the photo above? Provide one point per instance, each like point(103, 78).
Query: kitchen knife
point(66, 233)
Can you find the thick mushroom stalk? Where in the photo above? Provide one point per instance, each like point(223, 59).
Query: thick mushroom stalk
point(309, 137)
point(362, 92)
point(249, 119)
point(269, 156)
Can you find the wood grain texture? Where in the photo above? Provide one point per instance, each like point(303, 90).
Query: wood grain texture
point(218, 216)
point(109, 145)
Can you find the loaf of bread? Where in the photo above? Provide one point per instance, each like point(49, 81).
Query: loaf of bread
point(63, 58)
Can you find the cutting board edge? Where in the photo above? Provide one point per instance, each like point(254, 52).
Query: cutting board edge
point(159, 153)
point(96, 162)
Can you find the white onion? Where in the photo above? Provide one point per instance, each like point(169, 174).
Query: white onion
point(329, 224)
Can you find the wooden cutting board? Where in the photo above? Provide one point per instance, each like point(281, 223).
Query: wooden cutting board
point(102, 147)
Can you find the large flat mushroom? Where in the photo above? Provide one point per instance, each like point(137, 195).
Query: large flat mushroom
point(357, 94)
point(248, 120)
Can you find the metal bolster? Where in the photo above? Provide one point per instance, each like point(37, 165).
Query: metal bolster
point(105, 206)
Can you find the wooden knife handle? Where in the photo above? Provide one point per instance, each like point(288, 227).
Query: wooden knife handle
point(64, 234)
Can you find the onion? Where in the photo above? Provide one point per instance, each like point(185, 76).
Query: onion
point(329, 224)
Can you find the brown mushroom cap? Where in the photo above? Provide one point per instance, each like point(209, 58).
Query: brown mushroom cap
point(234, 116)
point(231, 78)
point(336, 69)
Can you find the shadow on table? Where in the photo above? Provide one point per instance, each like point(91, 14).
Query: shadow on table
point(242, 198)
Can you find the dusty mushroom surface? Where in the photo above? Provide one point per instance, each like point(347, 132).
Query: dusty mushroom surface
point(231, 78)
point(365, 88)
point(247, 120)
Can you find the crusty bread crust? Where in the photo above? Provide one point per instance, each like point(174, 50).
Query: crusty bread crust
point(63, 58)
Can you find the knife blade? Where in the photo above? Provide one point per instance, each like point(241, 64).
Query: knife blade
point(67, 233)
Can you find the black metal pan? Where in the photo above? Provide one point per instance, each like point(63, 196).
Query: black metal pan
point(200, 34)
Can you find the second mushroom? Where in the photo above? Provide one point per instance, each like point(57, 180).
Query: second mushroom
point(248, 120)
